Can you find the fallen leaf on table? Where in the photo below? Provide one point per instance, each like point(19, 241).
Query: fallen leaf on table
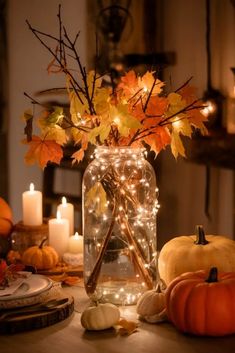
point(65, 279)
point(127, 327)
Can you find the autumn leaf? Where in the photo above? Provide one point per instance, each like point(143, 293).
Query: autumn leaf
point(156, 109)
point(77, 107)
point(101, 101)
point(147, 81)
point(53, 67)
point(101, 131)
point(159, 140)
point(96, 199)
point(93, 82)
point(28, 130)
point(55, 133)
point(176, 104)
point(123, 119)
point(188, 93)
point(182, 125)
point(177, 146)
point(78, 156)
point(129, 84)
point(197, 119)
point(127, 327)
point(42, 151)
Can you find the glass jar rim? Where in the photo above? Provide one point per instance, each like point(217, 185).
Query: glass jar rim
point(117, 149)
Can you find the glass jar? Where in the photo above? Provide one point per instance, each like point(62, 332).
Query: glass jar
point(119, 225)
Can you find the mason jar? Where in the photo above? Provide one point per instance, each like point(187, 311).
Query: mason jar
point(119, 225)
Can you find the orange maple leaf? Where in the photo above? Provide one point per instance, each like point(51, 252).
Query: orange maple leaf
point(42, 151)
point(78, 156)
point(129, 84)
point(159, 140)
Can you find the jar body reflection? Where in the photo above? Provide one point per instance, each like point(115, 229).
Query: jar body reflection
point(119, 225)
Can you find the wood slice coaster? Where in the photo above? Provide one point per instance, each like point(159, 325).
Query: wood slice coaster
point(36, 320)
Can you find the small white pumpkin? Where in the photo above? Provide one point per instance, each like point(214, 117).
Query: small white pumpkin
point(151, 305)
point(100, 317)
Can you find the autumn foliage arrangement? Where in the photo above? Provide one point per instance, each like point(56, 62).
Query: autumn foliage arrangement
point(135, 111)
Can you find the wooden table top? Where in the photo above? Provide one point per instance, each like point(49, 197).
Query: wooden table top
point(68, 336)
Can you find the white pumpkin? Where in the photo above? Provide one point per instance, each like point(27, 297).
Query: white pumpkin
point(151, 305)
point(100, 317)
point(196, 252)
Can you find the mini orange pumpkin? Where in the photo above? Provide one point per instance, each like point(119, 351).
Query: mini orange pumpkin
point(42, 257)
point(5, 218)
point(202, 305)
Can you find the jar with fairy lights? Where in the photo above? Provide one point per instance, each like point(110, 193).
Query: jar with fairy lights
point(119, 225)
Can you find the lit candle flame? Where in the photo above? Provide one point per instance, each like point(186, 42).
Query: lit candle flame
point(64, 201)
point(31, 187)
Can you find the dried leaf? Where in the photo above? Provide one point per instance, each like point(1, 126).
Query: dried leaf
point(127, 327)
point(96, 198)
point(28, 130)
point(177, 146)
point(147, 81)
point(78, 156)
point(42, 151)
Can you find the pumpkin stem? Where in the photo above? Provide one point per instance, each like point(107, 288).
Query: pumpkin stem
point(158, 288)
point(213, 275)
point(200, 236)
point(42, 243)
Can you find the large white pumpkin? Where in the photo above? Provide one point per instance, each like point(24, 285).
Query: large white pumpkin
point(196, 252)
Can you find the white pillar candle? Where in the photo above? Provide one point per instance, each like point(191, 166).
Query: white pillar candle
point(32, 207)
point(67, 211)
point(76, 244)
point(59, 234)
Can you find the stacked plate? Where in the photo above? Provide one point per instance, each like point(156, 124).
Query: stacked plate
point(32, 290)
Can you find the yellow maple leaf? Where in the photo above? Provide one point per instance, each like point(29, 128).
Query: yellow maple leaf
point(102, 131)
point(55, 133)
point(77, 107)
point(101, 100)
point(124, 121)
point(176, 104)
point(182, 125)
point(147, 81)
point(177, 146)
point(93, 82)
point(95, 199)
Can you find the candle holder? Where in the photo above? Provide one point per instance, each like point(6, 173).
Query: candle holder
point(24, 236)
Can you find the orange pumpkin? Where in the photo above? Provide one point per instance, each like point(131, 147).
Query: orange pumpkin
point(5, 218)
point(202, 305)
point(42, 257)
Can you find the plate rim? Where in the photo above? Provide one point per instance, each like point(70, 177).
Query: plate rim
point(25, 295)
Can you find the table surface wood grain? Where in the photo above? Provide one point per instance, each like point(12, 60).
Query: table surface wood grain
point(68, 336)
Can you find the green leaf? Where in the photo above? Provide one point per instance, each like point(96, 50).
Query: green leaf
point(56, 116)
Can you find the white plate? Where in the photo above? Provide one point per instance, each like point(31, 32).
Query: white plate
point(32, 291)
